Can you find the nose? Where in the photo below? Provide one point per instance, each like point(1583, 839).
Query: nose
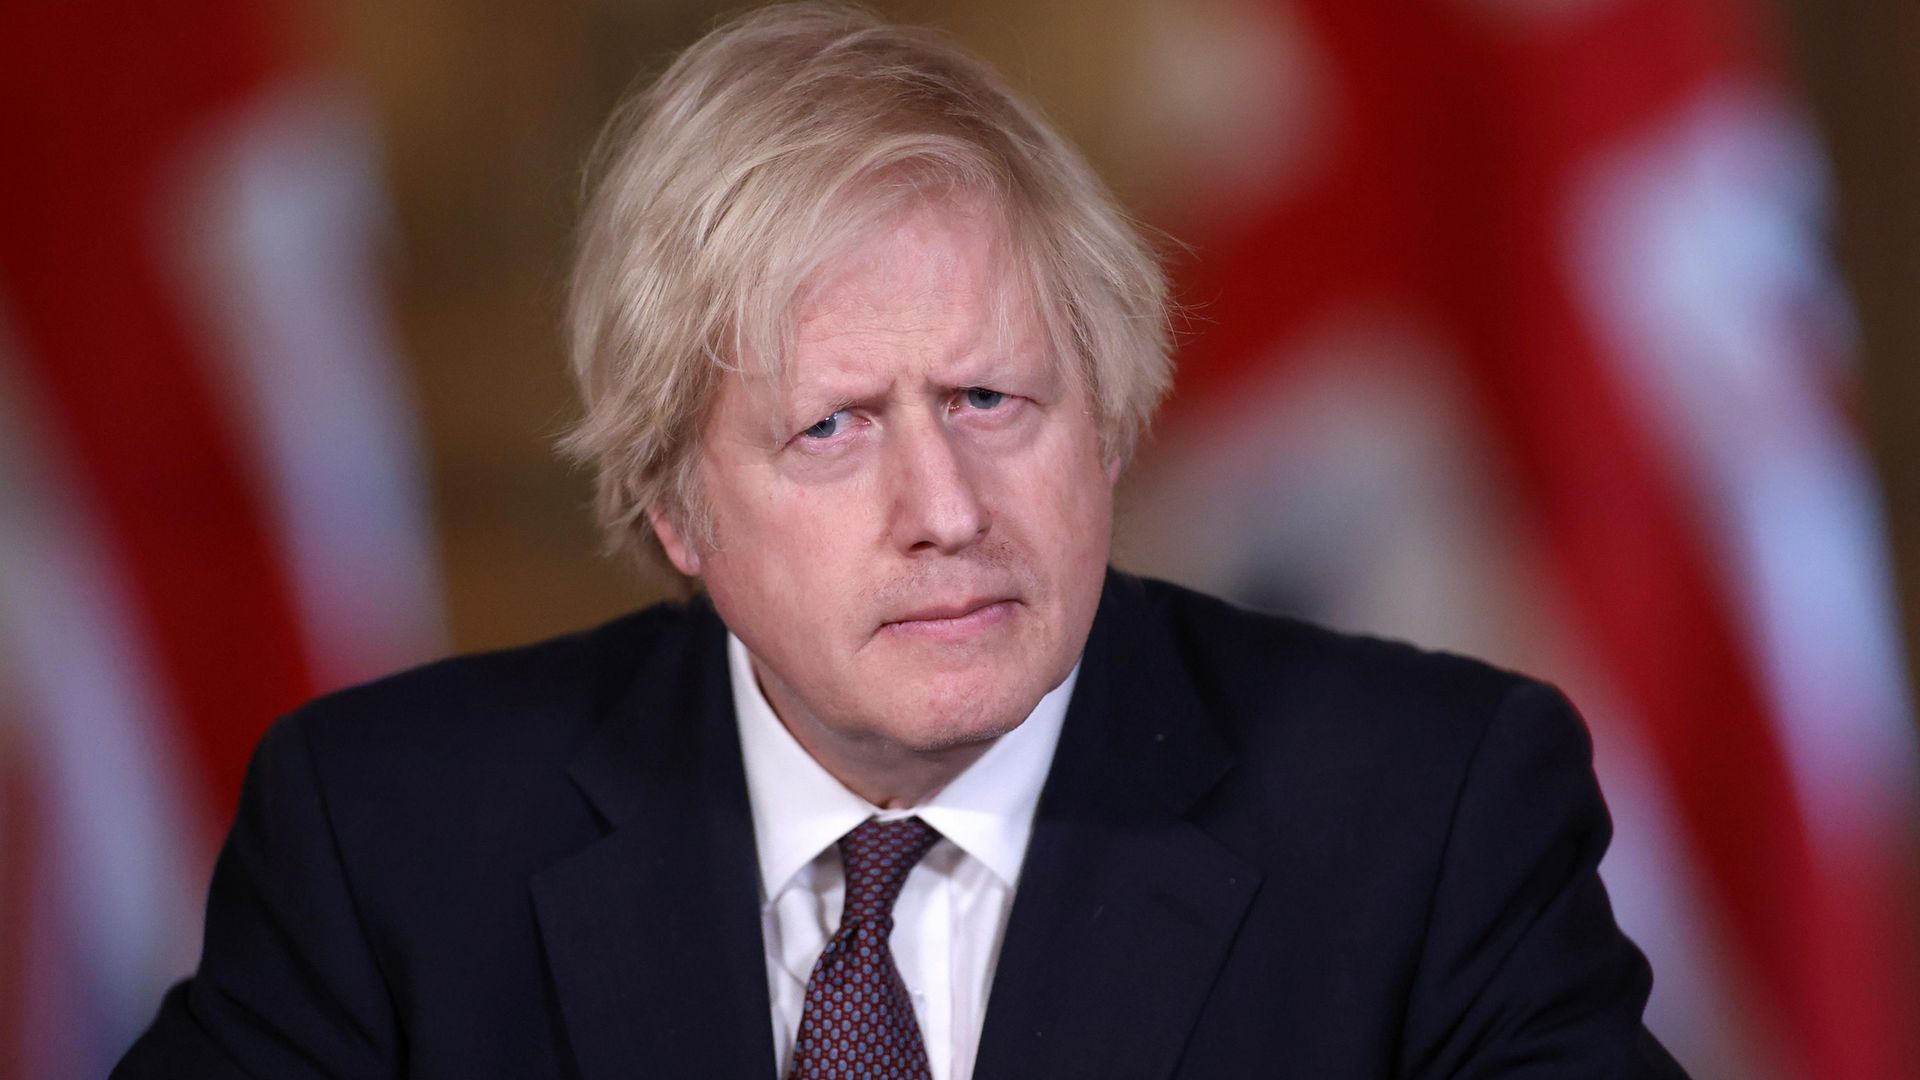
point(937, 503)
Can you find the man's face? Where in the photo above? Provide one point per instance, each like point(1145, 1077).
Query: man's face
point(911, 536)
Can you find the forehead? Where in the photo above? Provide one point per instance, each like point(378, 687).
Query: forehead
point(946, 265)
point(934, 291)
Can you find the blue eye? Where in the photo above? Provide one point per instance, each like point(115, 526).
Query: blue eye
point(982, 398)
point(828, 428)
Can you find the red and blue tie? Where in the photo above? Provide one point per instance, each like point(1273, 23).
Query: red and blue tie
point(858, 1019)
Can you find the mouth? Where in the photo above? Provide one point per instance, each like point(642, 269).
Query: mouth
point(955, 621)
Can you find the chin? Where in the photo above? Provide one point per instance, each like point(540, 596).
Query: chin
point(958, 710)
point(954, 733)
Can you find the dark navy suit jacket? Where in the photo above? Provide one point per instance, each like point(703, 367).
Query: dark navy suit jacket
point(1264, 850)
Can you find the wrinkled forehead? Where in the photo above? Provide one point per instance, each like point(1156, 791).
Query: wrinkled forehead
point(888, 265)
point(913, 263)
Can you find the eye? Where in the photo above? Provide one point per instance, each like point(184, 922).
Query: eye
point(982, 398)
point(828, 428)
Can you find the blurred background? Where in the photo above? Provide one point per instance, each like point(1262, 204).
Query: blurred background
point(1577, 334)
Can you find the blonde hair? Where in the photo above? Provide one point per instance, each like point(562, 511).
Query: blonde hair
point(724, 187)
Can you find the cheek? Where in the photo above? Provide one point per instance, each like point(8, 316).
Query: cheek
point(1057, 513)
point(785, 554)
point(1073, 493)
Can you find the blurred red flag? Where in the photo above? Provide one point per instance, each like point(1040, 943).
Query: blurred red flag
point(1515, 334)
point(212, 500)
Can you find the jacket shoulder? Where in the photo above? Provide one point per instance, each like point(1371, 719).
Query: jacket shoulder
point(520, 704)
point(1231, 648)
point(1287, 691)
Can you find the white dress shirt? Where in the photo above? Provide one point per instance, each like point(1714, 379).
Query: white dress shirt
point(953, 908)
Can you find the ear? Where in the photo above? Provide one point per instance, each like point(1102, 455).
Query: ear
point(679, 552)
point(1113, 470)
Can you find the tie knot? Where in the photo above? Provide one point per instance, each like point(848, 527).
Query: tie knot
point(877, 855)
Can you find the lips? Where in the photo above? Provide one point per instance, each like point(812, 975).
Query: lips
point(946, 611)
point(950, 621)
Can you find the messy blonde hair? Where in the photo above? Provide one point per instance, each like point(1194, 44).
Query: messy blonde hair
point(720, 190)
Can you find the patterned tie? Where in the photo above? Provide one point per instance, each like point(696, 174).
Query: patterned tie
point(858, 1020)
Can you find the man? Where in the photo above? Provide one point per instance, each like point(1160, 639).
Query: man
point(918, 788)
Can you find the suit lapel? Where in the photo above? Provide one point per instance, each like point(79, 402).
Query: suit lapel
point(1125, 910)
point(652, 933)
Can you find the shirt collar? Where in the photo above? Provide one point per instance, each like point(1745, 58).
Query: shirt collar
point(799, 809)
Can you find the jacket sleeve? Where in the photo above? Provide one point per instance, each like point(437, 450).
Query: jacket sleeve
point(1524, 972)
point(288, 985)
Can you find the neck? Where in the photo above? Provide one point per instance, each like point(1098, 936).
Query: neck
point(890, 778)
